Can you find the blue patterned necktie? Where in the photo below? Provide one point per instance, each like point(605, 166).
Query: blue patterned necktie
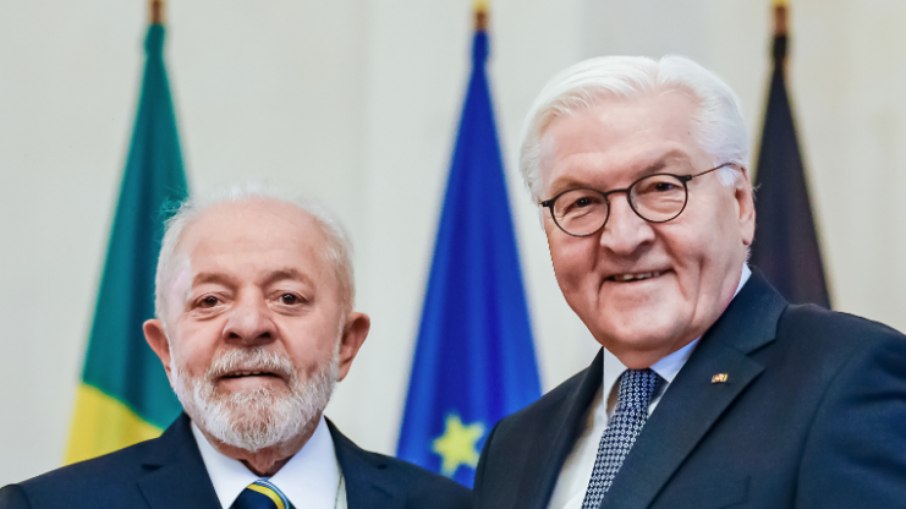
point(261, 494)
point(637, 387)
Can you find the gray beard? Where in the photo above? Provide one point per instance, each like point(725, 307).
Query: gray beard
point(261, 417)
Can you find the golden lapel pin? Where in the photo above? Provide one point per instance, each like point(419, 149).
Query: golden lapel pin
point(720, 378)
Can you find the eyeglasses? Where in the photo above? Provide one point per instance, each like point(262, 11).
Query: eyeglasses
point(656, 198)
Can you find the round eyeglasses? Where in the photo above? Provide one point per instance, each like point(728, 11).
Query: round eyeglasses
point(656, 198)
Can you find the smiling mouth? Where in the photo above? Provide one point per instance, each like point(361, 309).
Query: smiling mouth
point(629, 278)
point(245, 374)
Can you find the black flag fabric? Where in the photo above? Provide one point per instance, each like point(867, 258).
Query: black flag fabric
point(786, 245)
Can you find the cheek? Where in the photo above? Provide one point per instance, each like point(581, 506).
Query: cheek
point(195, 349)
point(310, 342)
point(309, 359)
point(561, 260)
point(573, 262)
point(706, 260)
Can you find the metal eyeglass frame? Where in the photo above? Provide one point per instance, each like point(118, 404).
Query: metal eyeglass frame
point(683, 179)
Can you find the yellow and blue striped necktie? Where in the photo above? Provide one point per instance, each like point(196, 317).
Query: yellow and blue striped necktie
point(261, 494)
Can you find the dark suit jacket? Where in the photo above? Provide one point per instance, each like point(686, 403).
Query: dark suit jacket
point(813, 415)
point(168, 473)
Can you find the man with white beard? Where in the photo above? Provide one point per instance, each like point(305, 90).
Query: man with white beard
point(254, 327)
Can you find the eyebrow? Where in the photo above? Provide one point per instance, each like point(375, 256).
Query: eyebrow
point(660, 163)
point(287, 274)
point(269, 279)
point(667, 158)
point(211, 277)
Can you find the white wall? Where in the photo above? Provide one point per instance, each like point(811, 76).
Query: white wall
point(356, 103)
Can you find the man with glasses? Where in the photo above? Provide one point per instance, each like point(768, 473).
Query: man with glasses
point(710, 390)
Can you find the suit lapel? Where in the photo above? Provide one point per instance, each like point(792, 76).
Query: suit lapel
point(176, 476)
point(693, 402)
point(367, 484)
point(564, 425)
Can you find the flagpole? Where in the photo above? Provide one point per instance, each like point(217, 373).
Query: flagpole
point(481, 15)
point(781, 30)
point(156, 11)
point(781, 7)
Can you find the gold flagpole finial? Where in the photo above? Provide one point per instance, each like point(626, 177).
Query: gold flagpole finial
point(781, 7)
point(481, 14)
point(156, 8)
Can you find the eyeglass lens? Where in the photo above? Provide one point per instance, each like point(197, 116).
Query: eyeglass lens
point(654, 198)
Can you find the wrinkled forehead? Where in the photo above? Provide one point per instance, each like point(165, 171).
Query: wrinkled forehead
point(614, 131)
point(244, 227)
point(576, 101)
point(252, 218)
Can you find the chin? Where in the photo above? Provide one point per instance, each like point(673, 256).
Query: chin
point(653, 336)
point(258, 418)
point(255, 420)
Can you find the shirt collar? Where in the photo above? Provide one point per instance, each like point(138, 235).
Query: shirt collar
point(311, 476)
point(666, 367)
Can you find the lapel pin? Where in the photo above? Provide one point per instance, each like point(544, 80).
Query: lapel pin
point(720, 378)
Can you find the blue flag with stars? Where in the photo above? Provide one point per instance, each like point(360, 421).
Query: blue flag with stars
point(474, 360)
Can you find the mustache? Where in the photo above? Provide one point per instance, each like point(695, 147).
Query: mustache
point(250, 359)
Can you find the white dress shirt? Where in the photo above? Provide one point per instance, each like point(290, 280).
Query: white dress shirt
point(311, 478)
point(572, 482)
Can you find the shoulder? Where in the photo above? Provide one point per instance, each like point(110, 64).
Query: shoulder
point(517, 442)
point(116, 466)
point(113, 480)
point(555, 402)
point(421, 485)
point(516, 437)
point(834, 323)
point(60, 487)
point(860, 409)
point(831, 353)
point(839, 336)
point(847, 347)
point(370, 474)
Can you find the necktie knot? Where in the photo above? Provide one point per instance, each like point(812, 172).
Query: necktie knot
point(261, 494)
point(637, 388)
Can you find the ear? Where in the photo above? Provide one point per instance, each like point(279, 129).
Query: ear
point(157, 340)
point(354, 334)
point(745, 206)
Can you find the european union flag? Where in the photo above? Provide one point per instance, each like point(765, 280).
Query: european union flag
point(786, 244)
point(474, 361)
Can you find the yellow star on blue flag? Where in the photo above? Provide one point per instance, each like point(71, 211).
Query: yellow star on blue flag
point(458, 445)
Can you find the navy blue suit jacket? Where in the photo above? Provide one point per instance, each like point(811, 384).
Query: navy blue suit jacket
point(812, 415)
point(168, 473)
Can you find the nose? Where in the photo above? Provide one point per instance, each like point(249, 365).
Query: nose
point(625, 233)
point(250, 322)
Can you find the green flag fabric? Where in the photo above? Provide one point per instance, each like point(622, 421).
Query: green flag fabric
point(124, 396)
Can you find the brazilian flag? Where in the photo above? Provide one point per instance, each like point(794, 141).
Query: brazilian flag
point(124, 396)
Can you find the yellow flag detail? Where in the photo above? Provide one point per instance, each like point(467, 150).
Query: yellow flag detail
point(95, 410)
point(458, 445)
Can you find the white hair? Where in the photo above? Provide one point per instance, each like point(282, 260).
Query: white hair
point(718, 125)
point(337, 249)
